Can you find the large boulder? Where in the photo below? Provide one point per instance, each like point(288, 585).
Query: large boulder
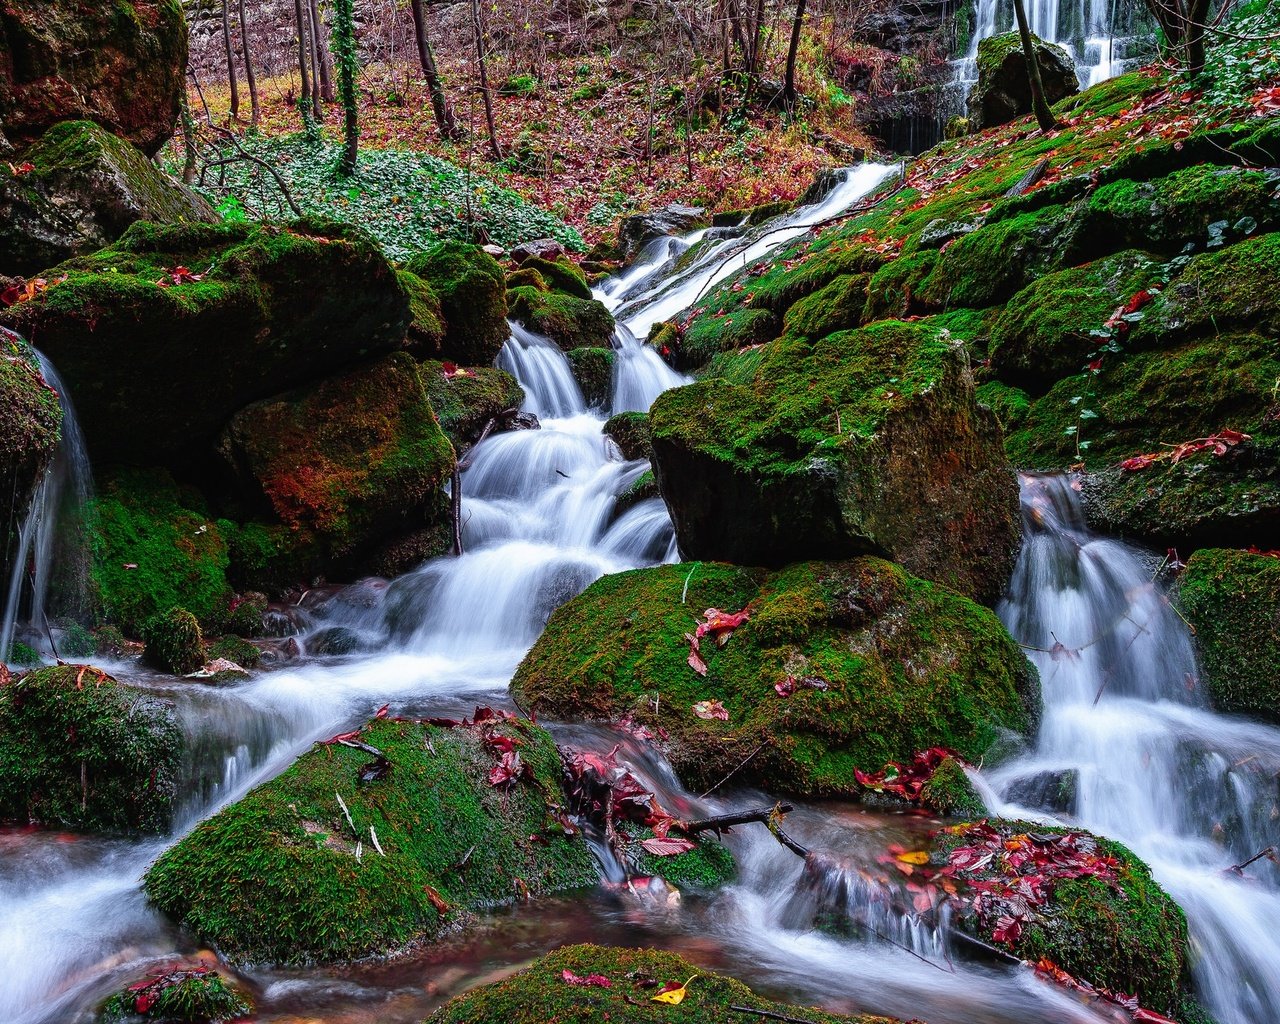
point(163, 336)
point(30, 428)
point(881, 664)
point(471, 291)
point(674, 219)
point(1003, 90)
point(120, 64)
point(1232, 600)
point(863, 442)
point(86, 186)
point(436, 832)
point(346, 463)
point(465, 403)
point(78, 750)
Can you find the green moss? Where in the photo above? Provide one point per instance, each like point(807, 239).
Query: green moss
point(630, 432)
point(245, 615)
point(593, 370)
point(235, 649)
point(464, 404)
point(571, 322)
point(472, 292)
point(559, 275)
point(30, 428)
point(174, 642)
point(539, 994)
point(426, 317)
point(192, 998)
point(275, 877)
point(1232, 600)
point(951, 792)
point(836, 307)
point(154, 548)
point(709, 865)
point(644, 488)
point(527, 277)
point(909, 665)
point(708, 336)
point(896, 289)
point(1010, 405)
point(77, 750)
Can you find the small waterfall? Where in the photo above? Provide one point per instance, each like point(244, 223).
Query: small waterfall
point(65, 487)
point(544, 371)
point(1191, 792)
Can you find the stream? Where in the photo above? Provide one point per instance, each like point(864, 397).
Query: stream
point(1191, 791)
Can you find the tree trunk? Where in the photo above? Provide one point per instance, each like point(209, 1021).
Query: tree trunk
point(1038, 103)
point(439, 101)
point(322, 52)
point(478, 30)
point(255, 111)
point(313, 50)
point(231, 60)
point(789, 90)
point(344, 37)
point(304, 100)
point(1197, 18)
point(188, 138)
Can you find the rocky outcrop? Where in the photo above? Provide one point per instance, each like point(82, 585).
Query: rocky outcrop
point(120, 64)
point(30, 428)
point(867, 441)
point(84, 188)
point(675, 219)
point(1003, 90)
point(471, 292)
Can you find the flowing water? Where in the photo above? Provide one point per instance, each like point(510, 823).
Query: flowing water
point(541, 521)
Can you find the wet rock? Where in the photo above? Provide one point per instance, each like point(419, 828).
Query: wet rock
point(80, 751)
point(284, 620)
point(453, 843)
point(569, 320)
point(186, 993)
point(1054, 792)
point(908, 665)
point(119, 64)
point(1003, 90)
point(30, 428)
point(465, 403)
point(332, 642)
point(542, 248)
point(863, 442)
point(86, 188)
point(240, 652)
point(675, 219)
point(593, 370)
point(630, 432)
point(471, 290)
point(158, 358)
point(1232, 601)
point(540, 993)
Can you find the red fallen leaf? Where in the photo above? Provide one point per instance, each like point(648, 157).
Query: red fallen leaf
point(22, 170)
point(1266, 101)
point(786, 687)
point(590, 981)
point(452, 370)
point(508, 770)
point(1095, 364)
point(1150, 1016)
point(144, 1002)
point(666, 847)
point(437, 901)
point(695, 655)
point(905, 780)
point(711, 709)
point(1140, 462)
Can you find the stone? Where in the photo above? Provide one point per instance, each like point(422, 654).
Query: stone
point(675, 219)
point(1003, 90)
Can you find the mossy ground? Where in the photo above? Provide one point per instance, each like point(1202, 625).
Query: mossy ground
point(909, 665)
point(464, 404)
point(540, 994)
point(274, 877)
point(593, 370)
point(78, 750)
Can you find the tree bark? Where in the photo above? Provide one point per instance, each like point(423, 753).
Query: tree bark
point(231, 59)
point(344, 34)
point(445, 120)
point(322, 52)
point(789, 89)
point(313, 47)
point(304, 101)
point(478, 31)
point(1044, 116)
point(255, 111)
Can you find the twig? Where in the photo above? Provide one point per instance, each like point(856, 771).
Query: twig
point(768, 1013)
point(735, 771)
point(684, 595)
point(1112, 670)
point(343, 804)
point(907, 949)
point(1269, 853)
point(723, 821)
point(244, 154)
point(775, 826)
point(455, 499)
point(488, 429)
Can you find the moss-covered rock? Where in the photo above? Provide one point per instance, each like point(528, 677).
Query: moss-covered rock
point(593, 370)
point(236, 650)
point(78, 750)
point(276, 877)
point(465, 403)
point(86, 187)
point(950, 791)
point(120, 64)
point(644, 488)
point(1232, 600)
point(158, 358)
point(708, 336)
point(1125, 934)
point(558, 275)
point(174, 642)
point(30, 428)
point(472, 293)
point(1010, 405)
point(181, 995)
point(155, 547)
point(1003, 90)
point(864, 442)
point(540, 994)
point(426, 317)
point(630, 432)
point(345, 463)
point(903, 665)
point(571, 322)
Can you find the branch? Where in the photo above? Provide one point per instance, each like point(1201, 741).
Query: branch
point(724, 821)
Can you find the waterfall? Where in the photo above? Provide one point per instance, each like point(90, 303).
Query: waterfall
point(1190, 791)
point(65, 487)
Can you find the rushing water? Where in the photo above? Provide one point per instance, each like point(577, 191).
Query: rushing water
point(541, 521)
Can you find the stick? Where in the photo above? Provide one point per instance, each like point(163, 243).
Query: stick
point(776, 828)
point(907, 949)
point(343, 804)
point(742, 765)
point(456, 500)
point(488, 429)
point(770, 1014)
point(1269, 853)
point(723, 821)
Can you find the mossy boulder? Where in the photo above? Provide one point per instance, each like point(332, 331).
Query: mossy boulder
point(1232, 600)
point(154, 547)
point(426, 317)
point(30, 429)
point(540, 993)
point(472, 292)
point(465, 403)
point(346, 463)
point(630, 432)
point(1010, 405)
point(710, 335)
point(120, 64)
point(899, 665)
point(181, 995)
point(950, 791)
point(568, 320)
point(864, 442)
point(174, 642)
point(80, 751)
point(86, 187)
point(276, 876)
point(163, 336)
point(1124, 934)
point(559, 275)
point(1003, 90)
point(593, 370)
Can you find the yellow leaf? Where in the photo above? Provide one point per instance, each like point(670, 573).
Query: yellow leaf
point(914, 857)
point(675, 996)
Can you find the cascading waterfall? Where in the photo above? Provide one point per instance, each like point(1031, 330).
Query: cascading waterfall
point(1191, 792)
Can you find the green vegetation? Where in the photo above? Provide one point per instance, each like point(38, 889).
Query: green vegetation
point(465, 404)
point(950, 792)
point(571, 322)
point(181, 997)
point(174, 642)
point(30, 427)
point(471, 290)
point(593, 370)
point(630, 432)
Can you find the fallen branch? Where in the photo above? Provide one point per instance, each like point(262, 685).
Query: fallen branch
point(768, 1013)
point(742, 764)
point(775, 826)
point(1029, 179)
point(488, 429)
point(1269, 853)
point(455, 498)
point(723, 821)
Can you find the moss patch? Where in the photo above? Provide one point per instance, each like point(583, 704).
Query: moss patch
point(630, 432)
point(593, 370)
point(568, 320)
point(472, 293)
point(464, 404)
point(30, 428)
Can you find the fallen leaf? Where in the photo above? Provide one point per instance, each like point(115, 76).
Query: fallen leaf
point(590, 981)
point(667, 847)
point(673, 995)
point(711, 709)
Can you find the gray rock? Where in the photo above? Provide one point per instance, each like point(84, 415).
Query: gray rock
point(1003, 91)
point(670, 220)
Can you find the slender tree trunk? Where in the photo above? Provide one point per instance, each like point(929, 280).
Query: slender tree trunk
point(255, 111)
point(445, 120)
point(1197, 18)
point(231, 59)
point(1038, 102)
point(313, 53)
point(789, 89)
point(188, 138)
point(478, 30)
point(344, 38)
point(322, 52)
point(304, 101)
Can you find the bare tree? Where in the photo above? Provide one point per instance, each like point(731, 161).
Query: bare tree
point(445, 120)
point(231, 59)
point(789, 88)
point(304, 101)
point(1184, 23)
point(255, 110)
point(1044, 116)
point(344, 35)
point(325, 70)
point(478, 30)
